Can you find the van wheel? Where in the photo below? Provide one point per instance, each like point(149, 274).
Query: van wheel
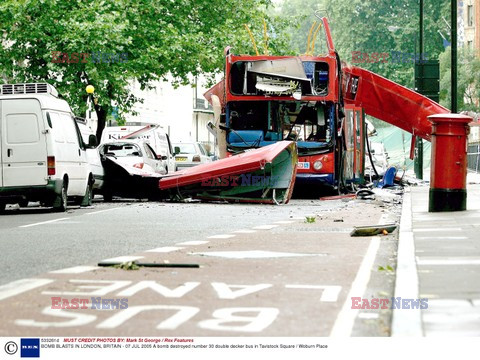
point(87, 198)
point(60, 203)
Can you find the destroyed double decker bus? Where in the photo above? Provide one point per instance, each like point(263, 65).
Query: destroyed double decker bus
point(265, 99)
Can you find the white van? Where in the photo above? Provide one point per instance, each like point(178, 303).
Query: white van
point(154, 135)
point(42, 156)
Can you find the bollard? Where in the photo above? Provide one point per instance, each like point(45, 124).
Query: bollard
point(448, 170)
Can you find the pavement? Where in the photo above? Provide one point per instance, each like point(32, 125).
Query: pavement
point(439, 260)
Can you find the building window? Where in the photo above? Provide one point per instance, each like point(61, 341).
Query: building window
point(470, 44)
point(470, 15)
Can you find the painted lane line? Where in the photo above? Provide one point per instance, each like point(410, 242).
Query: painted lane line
point(245, 231)
point(165, 249)
point(441, 237)
point(367, 316)
point(406, 323)
point(43, 222)
point(75, 270)
point(437, 229)
point(194, 242)
point(20, 286)
point(220, 237)
point(329, 294)
point(101, 211)
point(346, 318)
point(265, 227)
point(447, 261)
point(122, 259)
point(253, 254)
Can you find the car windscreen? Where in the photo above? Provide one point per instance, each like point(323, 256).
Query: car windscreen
point(121, 150)
point(186, 148)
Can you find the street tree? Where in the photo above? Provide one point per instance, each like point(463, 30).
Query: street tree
point(109, 43)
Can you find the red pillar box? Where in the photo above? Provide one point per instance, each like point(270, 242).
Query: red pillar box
point(448, 171)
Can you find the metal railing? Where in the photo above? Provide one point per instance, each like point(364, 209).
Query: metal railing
point(473, 158)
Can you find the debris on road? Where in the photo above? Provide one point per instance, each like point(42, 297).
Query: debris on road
point(134, 265)
point(372, 230)
point(264, 175)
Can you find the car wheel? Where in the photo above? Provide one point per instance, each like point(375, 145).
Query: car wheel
point(60, 203)
point(107, 196)
point(88, 197)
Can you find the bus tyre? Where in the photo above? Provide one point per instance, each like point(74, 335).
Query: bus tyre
point(60, 203)
point(2, 207)
point(87, 198)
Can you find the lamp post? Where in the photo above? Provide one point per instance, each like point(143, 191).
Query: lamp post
point(418, 161)
point(454, 55)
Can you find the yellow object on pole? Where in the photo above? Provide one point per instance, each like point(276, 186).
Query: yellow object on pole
point(265, 38)
point(312, 47)
point(90, 89)
point(252, 39)
point(309, 37)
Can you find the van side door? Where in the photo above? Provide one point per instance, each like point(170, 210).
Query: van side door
point(23, 143)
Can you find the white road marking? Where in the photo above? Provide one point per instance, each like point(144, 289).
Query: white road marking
point(448, 261)
point(441, 237)
point(101, 211)
point(165, 249)
point(221, 236)
point(346, 318)
point(122, 259)
point(367, 316)
point(43, 222)
point(329, 294)
point(194, 242)
point(437, 229)
point(406, 323)
point(253, 254)
point(225, 291)
point(20, 286)
point(265, 227)
point(245, 231)
point(75, 270)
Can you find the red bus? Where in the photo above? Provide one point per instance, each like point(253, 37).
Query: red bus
point(266, 99)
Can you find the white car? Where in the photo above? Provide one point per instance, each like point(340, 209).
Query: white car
point(190, 154)
point(134, 153)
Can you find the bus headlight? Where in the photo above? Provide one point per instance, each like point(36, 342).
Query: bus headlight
point(317, 165)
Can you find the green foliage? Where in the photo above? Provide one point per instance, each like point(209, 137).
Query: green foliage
point(310, 219)
point(468, 83)
point(302, 15)
point(374, 26)
point(387, 268)
point(183, 38)
point(127, 266)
